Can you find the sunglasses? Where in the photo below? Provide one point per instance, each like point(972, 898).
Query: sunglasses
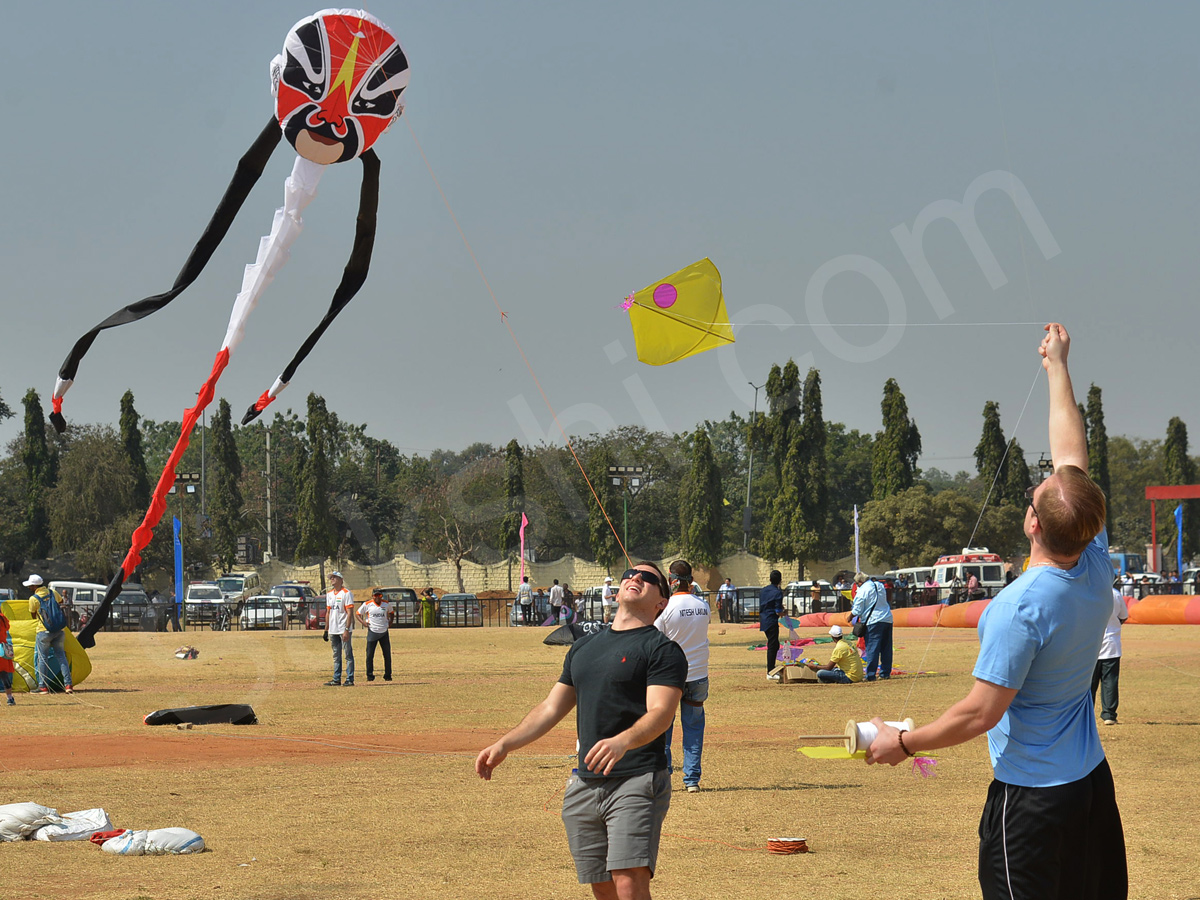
point(1029, 496)
point(647, 577)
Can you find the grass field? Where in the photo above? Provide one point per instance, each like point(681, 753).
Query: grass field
point(370, 792)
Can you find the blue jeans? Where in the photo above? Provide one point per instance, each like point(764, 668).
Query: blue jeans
point(338, 642)
point(833, 676)
point(879, 650)
point(48, 643)
point(692, 717)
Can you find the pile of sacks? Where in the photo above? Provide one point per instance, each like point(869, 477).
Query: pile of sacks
point(33, 822)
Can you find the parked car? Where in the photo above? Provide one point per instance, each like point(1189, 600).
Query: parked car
point(129, 608)
point(203, 601)
point(744, 605)
point(298, 598)
point(80, 599)
point(263, 611)
point(798, 598)
point(239, 586)
point(459, 610)
point(405, 607)
point(1191, 581)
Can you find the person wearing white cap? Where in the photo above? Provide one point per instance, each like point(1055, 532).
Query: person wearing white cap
point(608, 598)
point(845, 666)
point(51, 623)
point(339, 624)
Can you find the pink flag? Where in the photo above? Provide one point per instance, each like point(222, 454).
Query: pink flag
point(524, 522)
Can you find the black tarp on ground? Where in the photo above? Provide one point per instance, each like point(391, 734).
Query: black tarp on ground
point(570, 633)
point(221, 714)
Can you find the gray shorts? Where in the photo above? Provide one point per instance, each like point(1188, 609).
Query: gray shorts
point(615, 823)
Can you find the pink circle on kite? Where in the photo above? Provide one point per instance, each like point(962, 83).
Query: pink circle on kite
point(665, 295)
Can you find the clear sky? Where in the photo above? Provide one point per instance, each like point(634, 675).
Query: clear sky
point(590, 149)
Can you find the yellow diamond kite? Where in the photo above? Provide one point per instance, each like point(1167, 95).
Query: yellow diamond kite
point(679, 316)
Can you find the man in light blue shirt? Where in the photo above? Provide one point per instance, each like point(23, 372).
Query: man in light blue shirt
point(1050, 826)
point(871, 607)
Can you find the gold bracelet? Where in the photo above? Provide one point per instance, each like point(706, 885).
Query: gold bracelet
point(900, 737)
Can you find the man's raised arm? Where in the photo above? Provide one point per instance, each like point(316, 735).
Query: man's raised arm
point(1068, 438)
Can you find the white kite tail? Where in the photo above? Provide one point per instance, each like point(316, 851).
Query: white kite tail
point(298, 191)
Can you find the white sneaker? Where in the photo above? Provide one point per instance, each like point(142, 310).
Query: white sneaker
point(1108, 721)
point(772, 677)
point(693, 788)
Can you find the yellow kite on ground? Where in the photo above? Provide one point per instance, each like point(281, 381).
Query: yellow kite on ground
point(680, 315)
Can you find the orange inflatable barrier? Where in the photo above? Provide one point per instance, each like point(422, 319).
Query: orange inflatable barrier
point(1164, 609)
point(918, 616)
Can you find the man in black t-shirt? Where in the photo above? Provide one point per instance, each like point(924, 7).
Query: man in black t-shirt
point(626, 682)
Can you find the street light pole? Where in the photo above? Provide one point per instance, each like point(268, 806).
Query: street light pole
point(750, 470)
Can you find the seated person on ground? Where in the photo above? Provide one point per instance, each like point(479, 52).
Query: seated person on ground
point(845, 666)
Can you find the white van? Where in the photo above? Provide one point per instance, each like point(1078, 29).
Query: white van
point(80, 599)
point(978, 561)
point(238, 586)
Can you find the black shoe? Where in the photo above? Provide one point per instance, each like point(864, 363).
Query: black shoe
point(387, 677)
point(370, 678)
point(348, 684)
point(333, 684)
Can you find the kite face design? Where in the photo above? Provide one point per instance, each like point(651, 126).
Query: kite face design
point(337, 84)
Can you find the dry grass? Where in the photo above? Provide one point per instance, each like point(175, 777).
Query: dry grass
point(370, 792)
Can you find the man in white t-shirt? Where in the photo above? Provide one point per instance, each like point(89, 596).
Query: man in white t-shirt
point(1108, 663)
point(608, 598)
point(339, 624)
point(685, 620)
point(373, 615)
point(525, 601)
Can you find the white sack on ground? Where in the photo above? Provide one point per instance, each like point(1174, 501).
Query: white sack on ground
point(154, 843)
point(75, 826)
point(19, 820)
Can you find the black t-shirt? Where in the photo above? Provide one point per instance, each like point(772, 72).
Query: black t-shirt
point(610, 671)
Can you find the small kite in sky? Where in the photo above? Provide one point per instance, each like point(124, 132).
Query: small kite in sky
point(679, 316)
point(337, 87)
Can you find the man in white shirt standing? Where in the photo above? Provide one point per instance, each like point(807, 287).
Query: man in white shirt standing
point(685, 620)
point(339, 624)
point(556, 600)
point(1108, 664)
point(373, 615)
point(608, 598)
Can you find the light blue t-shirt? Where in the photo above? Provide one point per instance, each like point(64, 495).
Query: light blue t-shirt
point(871, 600)
point(1041, 635)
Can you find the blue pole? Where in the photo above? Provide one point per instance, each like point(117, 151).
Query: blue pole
point(178, 569)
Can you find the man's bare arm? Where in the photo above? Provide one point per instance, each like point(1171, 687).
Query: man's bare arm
point(661, 703)
point(1068, 438)
point(970, 717)
point(543, 717)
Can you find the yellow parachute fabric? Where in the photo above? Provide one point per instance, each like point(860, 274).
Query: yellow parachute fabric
point(681, 315)
point(24, 630)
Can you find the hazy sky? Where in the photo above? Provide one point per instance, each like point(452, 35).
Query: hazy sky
point(588, 150)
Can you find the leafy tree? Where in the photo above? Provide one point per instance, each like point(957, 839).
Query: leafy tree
point(1097, 441)
point(514, 500)
point(1133, 464)
point(915, 527)
point(989, 452)
point(849, 456)
point(1016, 477)
point(5, 410)
point(92, 509)
point(41, 470)
point(605, 548)
point(317, 535)
point(894, 467)
point(1178, 468)
point(701, 506)
point(787, 536)
point(131, 441)
point(224, 492)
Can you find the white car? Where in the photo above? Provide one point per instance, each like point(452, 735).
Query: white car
point(263, 612)
point(203, 601)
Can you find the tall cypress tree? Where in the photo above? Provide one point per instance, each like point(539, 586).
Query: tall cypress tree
point(1097, 440)
point(1178, 469)
point(784, 537)
point(41, 471)
point(701, 505)
point(605, 547)
point(514, 500)
point(989, 453)
point(318, 537)
point(814, 486)
point(897, 446)
point(131, 442)
point(783, 411)
point(224, 491)
point(1016, 477)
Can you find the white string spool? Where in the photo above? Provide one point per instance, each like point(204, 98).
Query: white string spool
point(860, 735)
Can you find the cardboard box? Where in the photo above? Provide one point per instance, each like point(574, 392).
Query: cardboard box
point(795, 675)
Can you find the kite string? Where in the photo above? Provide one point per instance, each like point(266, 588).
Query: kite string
point(974, 531)
point(516, 342)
